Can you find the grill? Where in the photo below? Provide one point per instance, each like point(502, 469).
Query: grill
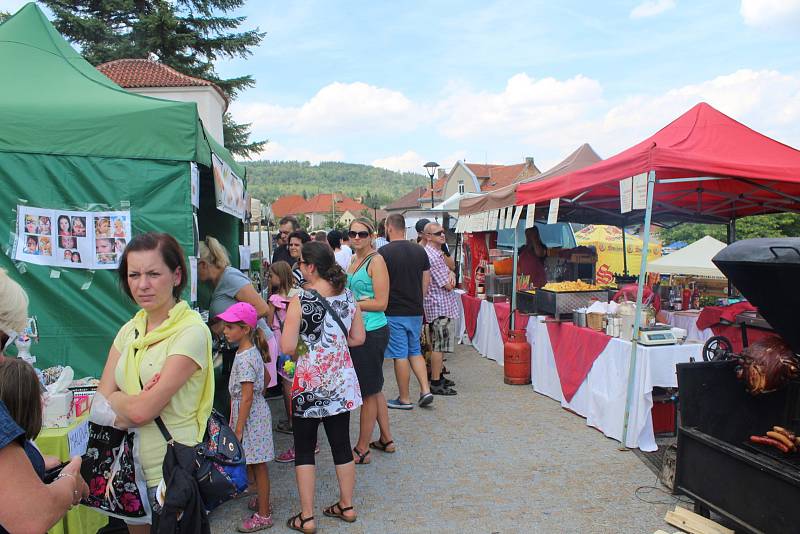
point(755, 486)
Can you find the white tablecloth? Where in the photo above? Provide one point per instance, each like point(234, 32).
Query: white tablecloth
point(488, 340)
point(601, 396)
point(688, 321)
point(461, 323)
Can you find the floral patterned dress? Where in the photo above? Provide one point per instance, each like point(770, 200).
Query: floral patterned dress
point(257, 438)
point(325, 382)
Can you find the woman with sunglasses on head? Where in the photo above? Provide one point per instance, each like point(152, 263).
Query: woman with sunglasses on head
point(368, 279)
point(326, 318)
point(28, 504)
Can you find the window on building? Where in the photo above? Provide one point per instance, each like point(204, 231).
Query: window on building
point(461, 187)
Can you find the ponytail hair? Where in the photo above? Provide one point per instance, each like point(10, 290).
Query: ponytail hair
point(321, 257)
point(212, 252)
point(260, 341)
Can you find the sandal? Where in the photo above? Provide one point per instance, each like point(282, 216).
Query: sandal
point(292, 524)
point(381, 446)
point(362, 458)
point(284, 427)
point(330, 511)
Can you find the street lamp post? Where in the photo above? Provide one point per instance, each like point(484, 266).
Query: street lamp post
point(431, 167)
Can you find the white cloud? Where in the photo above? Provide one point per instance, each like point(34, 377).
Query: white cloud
point(278, 152)
point(335, 108)
point(407, 161)
point(526, 104)
point(651, 8)
point(771, 14)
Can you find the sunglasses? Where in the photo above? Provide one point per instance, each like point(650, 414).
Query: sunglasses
point(438, 234)
point(361, 235)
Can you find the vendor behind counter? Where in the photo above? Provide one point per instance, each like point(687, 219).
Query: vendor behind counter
point(531, 258)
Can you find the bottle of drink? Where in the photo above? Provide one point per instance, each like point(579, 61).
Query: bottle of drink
point(686, 297)
point(696, 298)
point(671, 298)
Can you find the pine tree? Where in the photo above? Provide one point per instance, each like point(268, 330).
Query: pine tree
point(4, 15)
point(187, 35)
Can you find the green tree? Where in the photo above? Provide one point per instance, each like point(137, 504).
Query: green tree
point(777, 225)
point(187, 35)
point(305, 222)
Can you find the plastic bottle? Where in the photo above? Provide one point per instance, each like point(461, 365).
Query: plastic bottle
point(686, 297)
point(696, 298)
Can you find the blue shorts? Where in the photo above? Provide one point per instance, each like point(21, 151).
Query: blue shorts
point(404, 334)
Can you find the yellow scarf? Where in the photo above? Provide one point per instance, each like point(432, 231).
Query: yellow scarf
point(180, 317)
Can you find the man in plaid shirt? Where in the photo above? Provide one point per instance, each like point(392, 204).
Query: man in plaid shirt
point(441, 308)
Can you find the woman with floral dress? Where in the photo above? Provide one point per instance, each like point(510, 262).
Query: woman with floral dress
point(324, 319)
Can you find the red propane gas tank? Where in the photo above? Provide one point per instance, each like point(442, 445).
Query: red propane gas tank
point(517, 359)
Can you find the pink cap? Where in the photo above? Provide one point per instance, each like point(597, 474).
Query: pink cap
point(240, 312)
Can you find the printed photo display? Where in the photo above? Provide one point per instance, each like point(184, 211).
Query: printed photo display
point(77, 239)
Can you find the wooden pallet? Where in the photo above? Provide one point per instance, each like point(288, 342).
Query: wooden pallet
point(692, 523)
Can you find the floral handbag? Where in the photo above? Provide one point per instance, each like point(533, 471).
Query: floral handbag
point(111, 467)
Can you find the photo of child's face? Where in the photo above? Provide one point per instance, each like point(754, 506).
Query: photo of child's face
point(68, 255)
point(64, 228)
point(106, 259)
point(79, 226)
point(104, 246)
point(76, 257)
point(119, 246)
point(44, 225)
point(66, 241)
point(119, 227)
point(45, 247)
point(103, 227)
point(30, 224)
point(32, 246)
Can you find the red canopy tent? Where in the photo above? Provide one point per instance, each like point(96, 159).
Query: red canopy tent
point(709, 168)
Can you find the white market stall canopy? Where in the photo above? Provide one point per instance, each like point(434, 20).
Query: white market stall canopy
point(694, 260)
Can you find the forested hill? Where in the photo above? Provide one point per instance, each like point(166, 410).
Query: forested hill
point(268, 180)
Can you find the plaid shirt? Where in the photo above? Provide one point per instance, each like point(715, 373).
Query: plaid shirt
point(439, 302)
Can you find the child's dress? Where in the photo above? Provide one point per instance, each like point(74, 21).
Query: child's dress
point(257, 437)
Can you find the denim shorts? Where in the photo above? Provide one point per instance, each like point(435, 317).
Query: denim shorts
point(404, 334)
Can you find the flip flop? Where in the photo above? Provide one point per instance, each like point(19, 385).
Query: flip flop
point(330, 511)
point(361, 457)
point(381, 446)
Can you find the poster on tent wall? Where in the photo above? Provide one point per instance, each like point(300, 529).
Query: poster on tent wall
point(228, 188)
point(74, 239)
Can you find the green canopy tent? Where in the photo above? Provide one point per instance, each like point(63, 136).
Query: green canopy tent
point(71, 139)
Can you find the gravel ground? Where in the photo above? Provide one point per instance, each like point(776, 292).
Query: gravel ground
point(493, 459)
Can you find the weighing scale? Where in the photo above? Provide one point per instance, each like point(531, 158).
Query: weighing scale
point(657, 335)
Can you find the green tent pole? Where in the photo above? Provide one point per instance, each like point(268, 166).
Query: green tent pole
point(651, 182)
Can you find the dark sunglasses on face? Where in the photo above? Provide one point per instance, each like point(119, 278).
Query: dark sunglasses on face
point(362, 234)
point(438, 234)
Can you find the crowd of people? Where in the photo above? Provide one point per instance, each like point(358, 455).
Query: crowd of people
point(336, 305)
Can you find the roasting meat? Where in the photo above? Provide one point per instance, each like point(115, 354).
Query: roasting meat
point(767, 365)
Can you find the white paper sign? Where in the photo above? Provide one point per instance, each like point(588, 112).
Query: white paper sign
point(625, 195)
point(552, 215)
point(244, 257)
point(517, 214)
point(509, 217)
point(640, 192)
point(194, 182)
point(529, 218)
point(228, 188)
point(78, 439)
point(193, 278)
point(73, 239)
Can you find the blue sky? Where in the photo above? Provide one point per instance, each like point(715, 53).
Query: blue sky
point(400, 83)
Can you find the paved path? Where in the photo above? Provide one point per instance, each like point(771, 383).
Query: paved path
point(493, 459)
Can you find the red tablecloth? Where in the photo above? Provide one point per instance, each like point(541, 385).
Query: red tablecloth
point(710, 317)
point(575, 350)
point(472, 306)
point(503, 310)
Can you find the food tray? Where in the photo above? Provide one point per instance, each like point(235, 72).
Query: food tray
point(526, 302)
point(558, 303)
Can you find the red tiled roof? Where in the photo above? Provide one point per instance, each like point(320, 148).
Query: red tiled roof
point(133, 73)
point(323, 203)
point(286, 205)
point(493, 177)
point(409, 200)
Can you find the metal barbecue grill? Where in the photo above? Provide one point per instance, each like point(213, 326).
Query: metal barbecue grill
point(756, 486)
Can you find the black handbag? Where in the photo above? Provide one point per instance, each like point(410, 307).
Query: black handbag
point(219, 464)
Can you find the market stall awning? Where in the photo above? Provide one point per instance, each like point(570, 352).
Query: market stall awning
point(52, 101)
point(708, 167)
point(506, 196)
point(693, 260)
